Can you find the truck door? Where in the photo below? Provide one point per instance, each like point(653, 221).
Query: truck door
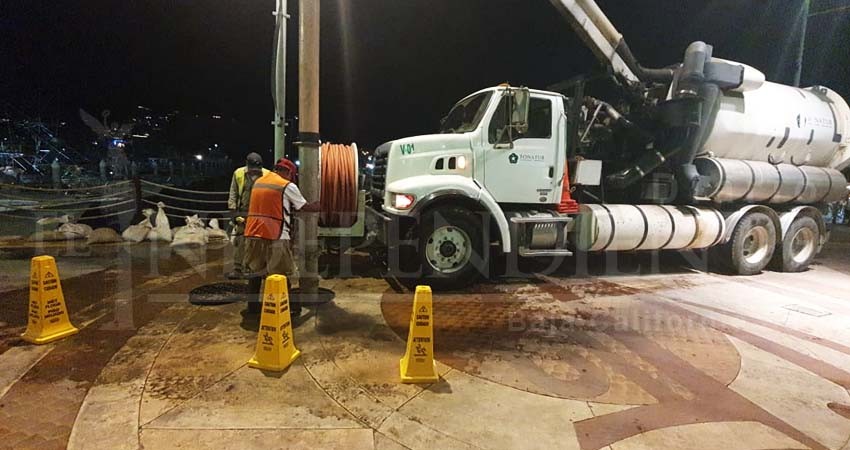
point(525, 173)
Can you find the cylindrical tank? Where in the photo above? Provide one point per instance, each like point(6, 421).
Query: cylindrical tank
point(771, 122)
point(734, 180)
point(647, 227)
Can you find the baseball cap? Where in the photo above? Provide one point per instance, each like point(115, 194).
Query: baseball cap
point(286, 164)
point(254, 161)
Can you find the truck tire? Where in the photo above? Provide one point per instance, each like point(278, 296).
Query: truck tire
point(799, 246)
point(453, 248)
point(752, 245)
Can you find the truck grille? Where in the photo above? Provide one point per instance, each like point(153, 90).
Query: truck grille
point(379, 175)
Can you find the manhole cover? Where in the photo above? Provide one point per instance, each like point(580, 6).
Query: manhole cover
point(807, 310)
point(219, 294)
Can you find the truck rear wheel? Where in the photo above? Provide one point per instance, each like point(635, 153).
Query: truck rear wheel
point(799, 246)
point(453, 250)
point(752, 245)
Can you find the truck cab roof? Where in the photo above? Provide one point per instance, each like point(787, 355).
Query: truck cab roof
point(503, 86)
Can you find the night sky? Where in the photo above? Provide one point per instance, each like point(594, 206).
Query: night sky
point(390, 68)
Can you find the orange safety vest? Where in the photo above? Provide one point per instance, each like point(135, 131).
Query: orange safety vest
point(265, 214)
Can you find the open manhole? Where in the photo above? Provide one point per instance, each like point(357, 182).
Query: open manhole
point(219, 294)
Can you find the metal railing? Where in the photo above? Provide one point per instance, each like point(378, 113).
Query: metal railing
point(124, 199)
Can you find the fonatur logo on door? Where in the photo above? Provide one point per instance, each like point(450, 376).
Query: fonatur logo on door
point(514, 158)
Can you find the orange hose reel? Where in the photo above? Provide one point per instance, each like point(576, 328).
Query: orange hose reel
point(339, 186)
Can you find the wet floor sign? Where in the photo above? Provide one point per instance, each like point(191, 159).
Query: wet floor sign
point(418, 366)
point(275, 346)
point(48, 317)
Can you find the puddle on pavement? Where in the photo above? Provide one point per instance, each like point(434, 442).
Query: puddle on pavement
point(563, 341)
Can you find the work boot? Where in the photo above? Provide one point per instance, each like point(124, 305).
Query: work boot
point(236, 274)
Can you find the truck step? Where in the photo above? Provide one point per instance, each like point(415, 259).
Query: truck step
point(543, 253)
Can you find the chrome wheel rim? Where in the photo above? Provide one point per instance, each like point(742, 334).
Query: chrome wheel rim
point(803, 245)
point(448, 249)
point(756, 245)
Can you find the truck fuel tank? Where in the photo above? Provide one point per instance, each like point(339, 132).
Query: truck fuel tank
point(602, 227)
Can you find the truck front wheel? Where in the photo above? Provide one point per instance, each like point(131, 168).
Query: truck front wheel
point(453, 247)
point(752, 245)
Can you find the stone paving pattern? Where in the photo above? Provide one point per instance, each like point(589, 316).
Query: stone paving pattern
point(679, 360)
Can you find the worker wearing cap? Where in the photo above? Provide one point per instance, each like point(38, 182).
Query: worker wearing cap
point(268, 247)
point(238, 203)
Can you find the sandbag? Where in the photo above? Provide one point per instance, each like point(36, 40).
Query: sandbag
point(137, 233)
point(192, 234)
point(76, 230)
point(162, 229)
point(104, 236)
point(214, 232)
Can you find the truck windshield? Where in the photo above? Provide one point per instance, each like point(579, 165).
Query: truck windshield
point(466, 115)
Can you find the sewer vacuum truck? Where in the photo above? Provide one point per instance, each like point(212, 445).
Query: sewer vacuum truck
point(703, 154)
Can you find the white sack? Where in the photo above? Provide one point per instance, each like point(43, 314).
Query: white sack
point(76, 230)
point(137, 233)
point(192, 234)
point(215, 233)
point(162, 229)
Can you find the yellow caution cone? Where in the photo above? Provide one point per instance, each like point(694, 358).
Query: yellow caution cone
point(418, 366)
point(275, 346)
point(48, 316)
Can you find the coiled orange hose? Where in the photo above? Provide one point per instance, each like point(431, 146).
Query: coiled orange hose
point(339, 186)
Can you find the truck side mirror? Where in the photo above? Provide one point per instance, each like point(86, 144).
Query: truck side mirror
point(516, 120)
point(519, 109)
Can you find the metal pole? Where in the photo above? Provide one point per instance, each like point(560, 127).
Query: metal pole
point(279, 81)
point(137, 197)
point(56, 174)
point(807, 5)
point(308, 145)
point(804, 25)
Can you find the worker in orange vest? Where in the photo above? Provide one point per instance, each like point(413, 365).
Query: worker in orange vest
point(268, 246)
point(238, 202)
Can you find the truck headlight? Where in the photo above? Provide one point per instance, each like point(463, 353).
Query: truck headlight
point(403, 201)
point(461, 162)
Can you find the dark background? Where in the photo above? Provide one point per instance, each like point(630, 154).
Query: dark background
point(390, 68)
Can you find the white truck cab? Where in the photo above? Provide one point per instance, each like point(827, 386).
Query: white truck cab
point(499, 158)
point(475, 155)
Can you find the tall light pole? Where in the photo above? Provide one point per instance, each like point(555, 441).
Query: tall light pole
point(279, 80)
point(805, 15)
point(804, 25)
point(308, 145)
